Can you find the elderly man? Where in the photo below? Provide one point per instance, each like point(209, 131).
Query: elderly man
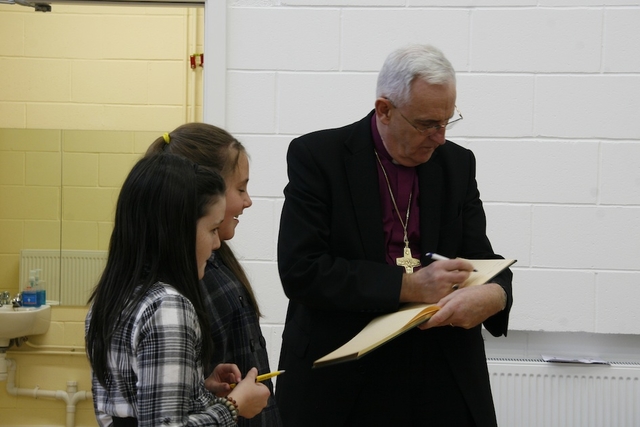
point(363, 205)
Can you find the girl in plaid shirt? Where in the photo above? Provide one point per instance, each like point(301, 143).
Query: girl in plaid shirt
point(145, 327)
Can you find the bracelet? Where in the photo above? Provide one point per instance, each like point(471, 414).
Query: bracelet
point(231, 404)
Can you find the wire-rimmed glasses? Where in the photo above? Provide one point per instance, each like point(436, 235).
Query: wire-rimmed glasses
point(433, 128)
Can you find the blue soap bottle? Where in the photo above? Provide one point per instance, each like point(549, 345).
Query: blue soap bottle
point(29, 295)
point(41, 293)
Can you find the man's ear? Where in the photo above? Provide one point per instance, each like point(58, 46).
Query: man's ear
point(383, 110)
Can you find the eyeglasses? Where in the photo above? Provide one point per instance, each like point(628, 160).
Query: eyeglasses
point(431, 129)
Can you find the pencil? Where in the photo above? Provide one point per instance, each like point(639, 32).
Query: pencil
point(263, 377)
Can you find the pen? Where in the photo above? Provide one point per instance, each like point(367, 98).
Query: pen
point(263, 377)
point(438, 257)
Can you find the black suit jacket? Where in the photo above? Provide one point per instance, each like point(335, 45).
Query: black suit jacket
point(331, 259)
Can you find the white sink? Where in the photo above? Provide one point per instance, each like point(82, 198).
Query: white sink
point(23, 321)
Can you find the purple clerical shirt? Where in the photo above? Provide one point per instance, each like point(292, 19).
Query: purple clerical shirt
point(404, 182)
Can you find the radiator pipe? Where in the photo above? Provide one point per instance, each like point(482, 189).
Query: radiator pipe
point(71, 397)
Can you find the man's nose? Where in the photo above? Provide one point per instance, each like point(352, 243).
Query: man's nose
point(439, 135)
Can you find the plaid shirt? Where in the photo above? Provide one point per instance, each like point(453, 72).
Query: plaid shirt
point(236, 334)
point(155, 368)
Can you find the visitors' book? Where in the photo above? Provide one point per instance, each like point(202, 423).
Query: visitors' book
point(388, 326)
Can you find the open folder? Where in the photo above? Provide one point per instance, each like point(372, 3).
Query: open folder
point(388, 326)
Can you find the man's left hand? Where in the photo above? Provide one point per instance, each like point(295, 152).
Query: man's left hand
point(468, 307)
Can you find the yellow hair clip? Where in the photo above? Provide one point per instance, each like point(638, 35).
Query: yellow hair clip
point(166, 138)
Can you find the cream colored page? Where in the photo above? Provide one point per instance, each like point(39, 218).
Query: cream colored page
point(487, 269)
point(377, 331)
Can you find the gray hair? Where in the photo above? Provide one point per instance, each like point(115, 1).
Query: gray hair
point(408, 63)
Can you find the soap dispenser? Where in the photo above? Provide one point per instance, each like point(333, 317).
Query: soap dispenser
point(41, 293)
point(29, 295)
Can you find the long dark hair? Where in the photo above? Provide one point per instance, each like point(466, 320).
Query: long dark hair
point(153, 239)
point(210, 146)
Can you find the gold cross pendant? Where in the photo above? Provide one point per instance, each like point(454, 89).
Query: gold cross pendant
point(407, 261)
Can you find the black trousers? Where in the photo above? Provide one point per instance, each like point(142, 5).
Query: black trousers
point(125, 422)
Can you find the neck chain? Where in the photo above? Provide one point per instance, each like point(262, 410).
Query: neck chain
point(407, 261)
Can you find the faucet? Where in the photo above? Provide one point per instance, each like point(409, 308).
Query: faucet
point(5, 298)
point(17, 300)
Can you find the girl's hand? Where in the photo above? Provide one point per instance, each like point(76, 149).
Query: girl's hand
point(251, 395)
point(223, 375)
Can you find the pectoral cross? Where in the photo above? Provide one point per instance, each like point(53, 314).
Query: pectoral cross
point(408, 261)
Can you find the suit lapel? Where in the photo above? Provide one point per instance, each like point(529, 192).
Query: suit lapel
point(431, 181)
point(362, 181)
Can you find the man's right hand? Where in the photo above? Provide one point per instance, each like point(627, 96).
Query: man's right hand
point(432, 283)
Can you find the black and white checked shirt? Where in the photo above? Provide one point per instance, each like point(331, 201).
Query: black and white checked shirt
point(155, 367)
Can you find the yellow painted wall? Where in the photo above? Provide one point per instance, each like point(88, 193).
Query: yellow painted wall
point(40, 365)
point(84, 91)
point(98, 67)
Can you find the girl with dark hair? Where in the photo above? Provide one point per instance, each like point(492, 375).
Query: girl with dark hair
point(147, 328)
point(230, 300)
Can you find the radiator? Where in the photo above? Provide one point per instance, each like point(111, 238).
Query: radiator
point(535, 393)
point(69, 275)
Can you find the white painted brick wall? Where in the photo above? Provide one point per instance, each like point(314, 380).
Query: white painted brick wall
point(550, 91)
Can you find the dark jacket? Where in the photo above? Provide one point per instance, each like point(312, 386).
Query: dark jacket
point(235, 332)
point(331, 259)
